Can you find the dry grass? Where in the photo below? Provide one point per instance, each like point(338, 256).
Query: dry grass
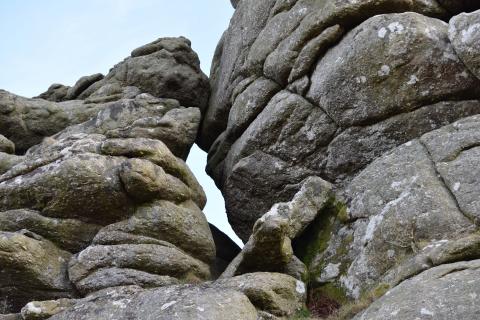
point(323, 308)
point(349, 310)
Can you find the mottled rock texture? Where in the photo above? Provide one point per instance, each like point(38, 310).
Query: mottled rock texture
point(323, 88)
point(379, 98)
point(99, 194)
point(344, 135)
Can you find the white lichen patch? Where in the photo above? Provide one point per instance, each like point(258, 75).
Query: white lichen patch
point(167, 305)
point(396, 27)
point(394, 312)
point(331, 271)
point(382, 32)
point(426, 312)
point(413, 80)
point(376, 220)
point(120, 303)
point(431, 33)
point(450, 55)
point(456, 186)
point(32, 308)
point(469, 35)
point(384, 71)
point(361, 79)
point(300, 287)
point(436, 244)
point(349, 285)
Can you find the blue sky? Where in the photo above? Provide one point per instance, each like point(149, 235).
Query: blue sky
point(54, 41)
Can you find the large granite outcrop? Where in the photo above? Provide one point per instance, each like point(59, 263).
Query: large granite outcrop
point(343, 134)
point(99, 195)
point(318, 88)
point(379, 98)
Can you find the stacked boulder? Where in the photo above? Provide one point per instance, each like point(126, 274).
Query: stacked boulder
point(95, 196)
point(381, 99)
point(344, 135)
point(99, 194)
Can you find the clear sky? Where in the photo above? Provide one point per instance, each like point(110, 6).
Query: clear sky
point(58, 41)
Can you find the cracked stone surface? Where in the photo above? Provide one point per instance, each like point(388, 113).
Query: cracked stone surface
point(458, 283)
point(339, 113)
point(379, 98)
point(344, 136)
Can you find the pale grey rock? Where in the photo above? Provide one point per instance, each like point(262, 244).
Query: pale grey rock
point(8, 161)
point(357, 146)
point(269, 36)
point(403, 42)
point(314, 50)
point(105, 173)
point(396, 203)
point(434, 254)
point(40, 310)
point(339, 113)
point(249, 183)
point(446, 292)
point(111, 277)
point(278, 294)
point(172, 223)
point(287, 132)
point(269, 247)
point(173, 302)
point(144, 117)
point(232, 50)
point(464, 33)
point(27, 121)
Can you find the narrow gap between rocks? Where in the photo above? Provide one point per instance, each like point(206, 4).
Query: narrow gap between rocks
point(215, 208)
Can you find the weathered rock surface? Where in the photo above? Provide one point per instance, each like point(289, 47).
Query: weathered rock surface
point(237, 298)
point(39, 310)
point(32, 268)
point(343, 134)
point(412, 209)
point(103, 197)
point(464, 32)
point(447, 292)
point(381, 99)
point(337, 115)
point(165, 68)
point(269, 247)
point(27, 121)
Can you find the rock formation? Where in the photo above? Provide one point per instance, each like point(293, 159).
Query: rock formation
point(379, 98)
point(344, 136)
